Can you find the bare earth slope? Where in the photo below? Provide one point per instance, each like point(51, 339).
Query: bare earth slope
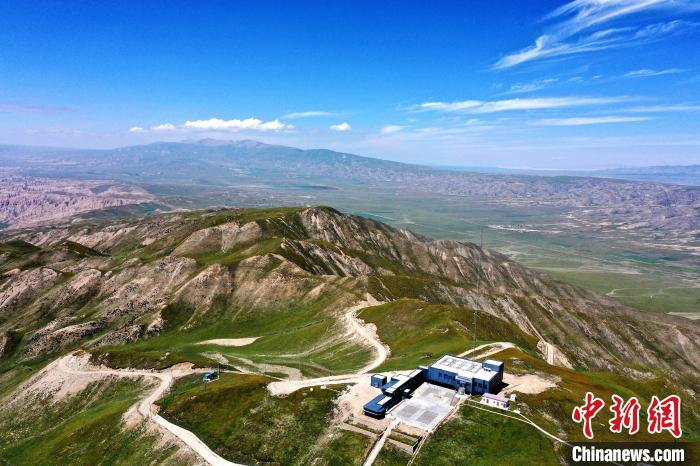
point(26, 201)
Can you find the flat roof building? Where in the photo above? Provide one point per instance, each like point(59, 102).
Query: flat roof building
point(450, 371)
point(399, 387)
point(472, 376)
point(495, 400)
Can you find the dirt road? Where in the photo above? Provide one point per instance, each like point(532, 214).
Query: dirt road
point(367, 332)
point(145, 406)
point(493, 349)
point(360, 330)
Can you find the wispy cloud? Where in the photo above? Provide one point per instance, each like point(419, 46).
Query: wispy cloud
point(523, 88)
point(342, 127)
point(581, 121)
point(28, 109)
point(584, 26)
point(308, 114)
point(389, 129)
point(217, 124)
point(664, 108)
point(538, 103)
point(646, 72)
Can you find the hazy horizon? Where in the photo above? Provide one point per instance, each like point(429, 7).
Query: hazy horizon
point(457, 167)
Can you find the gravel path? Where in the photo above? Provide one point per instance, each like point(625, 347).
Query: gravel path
point(145, 406)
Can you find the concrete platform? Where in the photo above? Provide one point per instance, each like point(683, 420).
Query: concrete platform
point(426, 408)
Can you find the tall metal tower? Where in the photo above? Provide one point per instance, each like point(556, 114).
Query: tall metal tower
point(478, 281)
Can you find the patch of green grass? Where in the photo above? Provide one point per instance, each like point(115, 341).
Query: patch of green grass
point(241, 252)
point(237, 417)
point(85, 429)
point(392, 287)
point(176, 314)
point(79, 249)
point(17, 248)
point(479, 438)
point(552, 408)
point(345, 448)
point(646, 293)
point(296, 334)
point(419, 332)
point(392, 456)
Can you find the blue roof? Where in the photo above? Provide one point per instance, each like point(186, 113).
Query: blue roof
point(389, 384)
point(374, 406)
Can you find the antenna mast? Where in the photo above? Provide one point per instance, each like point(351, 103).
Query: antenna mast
point(478, 281)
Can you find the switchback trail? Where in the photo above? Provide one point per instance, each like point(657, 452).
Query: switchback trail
point(144, 407)
point(362, 331)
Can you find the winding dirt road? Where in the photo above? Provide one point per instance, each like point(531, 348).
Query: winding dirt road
point(360, 330)
point(145, 406)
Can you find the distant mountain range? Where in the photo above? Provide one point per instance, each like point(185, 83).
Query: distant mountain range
point(206, 154)
point(208, 172)
point(674, 174)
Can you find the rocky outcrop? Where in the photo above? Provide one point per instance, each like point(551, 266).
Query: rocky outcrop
point(26, 286)
point(221, 238)
point(121, 336)
point(142, 289)
point(214, 282)
point(54, 337)
point(26, 200)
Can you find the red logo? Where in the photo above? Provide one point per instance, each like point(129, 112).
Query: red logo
point(665, 415)
point(662, 415)
point(624, 415)
point(587, 412)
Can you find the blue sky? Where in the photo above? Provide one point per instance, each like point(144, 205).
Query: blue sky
point(546, 84)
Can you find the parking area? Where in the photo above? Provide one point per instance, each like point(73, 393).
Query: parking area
point(427, 407)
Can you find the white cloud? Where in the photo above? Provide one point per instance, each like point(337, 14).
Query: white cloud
point(254, 124)
point(163, 127)
point(344, 126)
point(664, 108)
point(217, 124)
point(451, 106)
point(646, 72)
point(388, 129)
point(308, 114)
point(580, 121)
point(539, 103)
point(580, 28)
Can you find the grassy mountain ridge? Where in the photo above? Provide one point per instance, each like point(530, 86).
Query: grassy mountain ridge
point(242, 273)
